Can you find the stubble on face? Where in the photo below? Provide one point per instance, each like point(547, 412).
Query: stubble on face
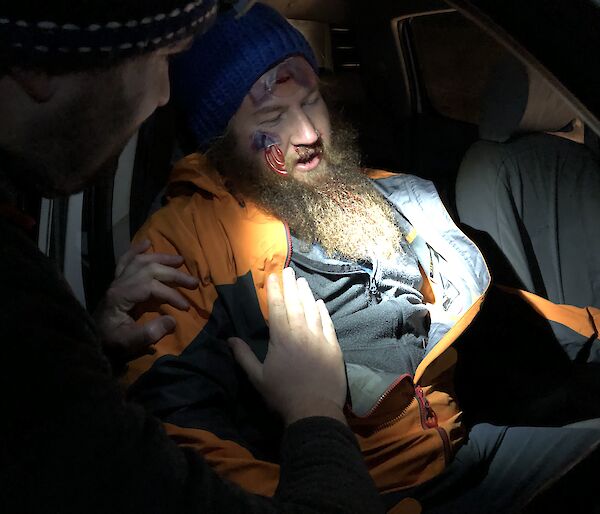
point(334, 205)
point(79, 143)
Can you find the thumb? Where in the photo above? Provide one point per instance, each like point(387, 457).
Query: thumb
point(247, 360)
point(156, 329)
point(137, 339)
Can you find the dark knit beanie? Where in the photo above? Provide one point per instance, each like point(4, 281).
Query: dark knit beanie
point(61, 36)
point(210, 81)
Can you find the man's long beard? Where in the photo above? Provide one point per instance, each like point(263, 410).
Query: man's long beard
point(338, 208)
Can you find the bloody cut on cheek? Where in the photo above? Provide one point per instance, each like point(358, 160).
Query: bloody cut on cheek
point(270, 144)
point(275, 159)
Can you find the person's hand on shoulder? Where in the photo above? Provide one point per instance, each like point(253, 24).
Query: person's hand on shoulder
point(303, 374)
point(140, 277)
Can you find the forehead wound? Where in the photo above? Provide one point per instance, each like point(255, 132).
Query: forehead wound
point(281, 81)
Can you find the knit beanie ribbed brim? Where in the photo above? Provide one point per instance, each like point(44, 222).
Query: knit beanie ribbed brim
point(210, 81)
point(73, 35)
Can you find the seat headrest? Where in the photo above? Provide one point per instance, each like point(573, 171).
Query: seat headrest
point(519, 100)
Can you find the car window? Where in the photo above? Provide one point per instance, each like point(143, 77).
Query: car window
point(455, 59)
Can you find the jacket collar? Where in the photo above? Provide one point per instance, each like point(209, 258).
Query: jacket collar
point(195, 170)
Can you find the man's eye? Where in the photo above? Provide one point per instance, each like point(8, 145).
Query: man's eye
point(271, 121)
point(312, 101)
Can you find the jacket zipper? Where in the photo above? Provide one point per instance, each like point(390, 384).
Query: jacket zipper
point(418, 396)
point(391, 387)
point(428, 415)
point(429, 419)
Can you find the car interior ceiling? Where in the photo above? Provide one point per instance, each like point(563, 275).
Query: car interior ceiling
point(409, 74)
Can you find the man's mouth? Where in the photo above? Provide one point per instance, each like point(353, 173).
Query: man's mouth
point(309, 157)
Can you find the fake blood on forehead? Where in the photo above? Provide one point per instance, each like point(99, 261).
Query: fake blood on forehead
point(279, 81)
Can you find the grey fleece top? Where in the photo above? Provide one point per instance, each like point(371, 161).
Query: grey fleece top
point(377, 308)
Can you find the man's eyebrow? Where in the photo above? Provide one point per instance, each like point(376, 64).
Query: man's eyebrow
point(268, 109)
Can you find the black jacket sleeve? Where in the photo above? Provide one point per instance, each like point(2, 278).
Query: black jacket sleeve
point(321, 472)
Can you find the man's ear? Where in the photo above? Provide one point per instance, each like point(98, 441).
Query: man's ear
point(40, 86)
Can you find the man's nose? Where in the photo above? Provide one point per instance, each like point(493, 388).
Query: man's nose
point(306, 133)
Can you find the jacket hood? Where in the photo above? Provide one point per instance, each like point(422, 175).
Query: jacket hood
point(195, 170)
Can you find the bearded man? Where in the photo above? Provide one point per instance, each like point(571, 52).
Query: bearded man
point(278, 185)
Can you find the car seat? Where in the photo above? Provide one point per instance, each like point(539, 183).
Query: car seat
point(534, 193)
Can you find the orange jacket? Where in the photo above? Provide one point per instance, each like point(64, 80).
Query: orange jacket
point(407, 437)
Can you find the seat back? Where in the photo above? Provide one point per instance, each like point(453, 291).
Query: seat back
point(533, 191)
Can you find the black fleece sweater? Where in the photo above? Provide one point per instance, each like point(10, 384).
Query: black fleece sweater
point(71, 444)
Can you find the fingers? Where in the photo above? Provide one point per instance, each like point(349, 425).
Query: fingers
point(139, 339)
point(138, 276)
point(278, 323)
point(134, 250)
point(326, 323)
point(291, 298)
point(156, 329)
point(247, 360)
point(311, 311)
point(150, 260)
point(303, 371)
point(136, 340)
point(158, 282)
point(161, 258)
point(171, 276)
point(135, 260)
point(294, 308)
point(166, 294)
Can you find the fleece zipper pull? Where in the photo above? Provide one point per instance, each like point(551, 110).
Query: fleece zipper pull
point(374, 281)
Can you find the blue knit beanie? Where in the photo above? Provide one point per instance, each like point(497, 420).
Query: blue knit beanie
point(210, 81)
